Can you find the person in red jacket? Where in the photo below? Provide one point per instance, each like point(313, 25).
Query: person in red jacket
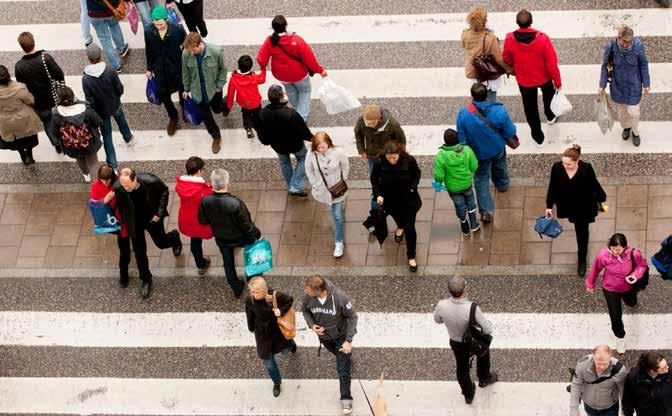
point(192, 188)
point(532, 56)
point(244, 86)
point(293, 62)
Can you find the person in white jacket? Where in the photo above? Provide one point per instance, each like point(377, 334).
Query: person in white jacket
point(327, 166)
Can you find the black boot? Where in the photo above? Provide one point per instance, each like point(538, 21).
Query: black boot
point(29, 157)
point(465, 227)
point(22, 153)
point(581, 269)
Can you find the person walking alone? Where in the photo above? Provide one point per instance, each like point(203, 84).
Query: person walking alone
point(454, 313)
point(192, 10)
point(191, 188)
point(626, 67)
point(598, 382)
point(19, 123)
point(576, 192)
point(623, 266)
point(532, 56)
point(108, 31)
point(103, 90)
point(163, 52)
point(329, 313)
point(327, 167)
point(262, 319)
point(292, 63)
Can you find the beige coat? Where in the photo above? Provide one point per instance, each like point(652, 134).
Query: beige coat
point(334, 164)
point(472, 42)
point(17, 116)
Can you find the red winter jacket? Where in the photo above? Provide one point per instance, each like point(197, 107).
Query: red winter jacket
point(191, 191)
point(98, 192)
point(285, 68)
point(534, 61)
point(245, 87)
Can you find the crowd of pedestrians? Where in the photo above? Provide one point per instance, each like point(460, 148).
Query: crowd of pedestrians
point(472, 156)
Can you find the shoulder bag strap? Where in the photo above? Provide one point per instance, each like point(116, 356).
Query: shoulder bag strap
point(46, 69)
point(275, 300)
point(614, 370)
point(320, 170)
point(482, 117)
point(472, 313)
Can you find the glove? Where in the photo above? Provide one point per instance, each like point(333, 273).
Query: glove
point(438, 186)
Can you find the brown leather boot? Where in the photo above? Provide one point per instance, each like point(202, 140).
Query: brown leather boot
point(216, 145)
point(172, 127)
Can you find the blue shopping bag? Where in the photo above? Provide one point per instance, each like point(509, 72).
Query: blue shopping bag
point(152, 91)
point(257, 258)
point(549, 227)
point(191, 112)
point(173, 17)
point(103, 218)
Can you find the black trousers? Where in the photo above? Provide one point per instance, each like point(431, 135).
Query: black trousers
point(209, 119)
point(343, 366)
point(160, 238)
point(250, 117)
point(582, 235)
point(462, 367)
point(226, 248)
point(169, 105)
point(196, 247)
point(407, 223)
point(193, 17)
point(616, 310)
point(529, 95)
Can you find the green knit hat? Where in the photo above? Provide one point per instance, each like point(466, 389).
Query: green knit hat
point(159, 13)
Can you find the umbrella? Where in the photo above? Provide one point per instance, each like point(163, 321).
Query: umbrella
point(377, 224)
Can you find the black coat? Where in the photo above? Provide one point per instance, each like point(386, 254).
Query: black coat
point(104, 92)
point(77, 114)
point(30, 71)
point(282, 128)
point(647, 396)
point(228, 217)
point(262, 321)
point(157, 200)
point(576, 198)
point(164, 57)
point(398, 185)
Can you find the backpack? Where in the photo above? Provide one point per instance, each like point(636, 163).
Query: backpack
point(75, 137)
point(662, 260)
point(475, 340)
point(643, 282)
point(549, 227)
point(614, 370)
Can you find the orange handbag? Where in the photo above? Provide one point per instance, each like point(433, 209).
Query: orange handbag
point(286, 322)
point(119, 11)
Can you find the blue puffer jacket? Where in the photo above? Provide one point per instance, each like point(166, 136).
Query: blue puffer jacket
point(473, 132)
point(631, 72)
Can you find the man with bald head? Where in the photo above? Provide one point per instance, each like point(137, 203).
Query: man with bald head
point(142, 200)
point(598, 382)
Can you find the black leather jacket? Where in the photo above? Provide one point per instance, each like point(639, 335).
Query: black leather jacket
point(229, 218)
point(157, 199)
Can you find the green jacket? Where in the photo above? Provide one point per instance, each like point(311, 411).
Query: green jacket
point(213, 69)
point(455, 167)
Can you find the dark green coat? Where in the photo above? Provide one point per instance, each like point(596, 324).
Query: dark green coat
point(164, 57)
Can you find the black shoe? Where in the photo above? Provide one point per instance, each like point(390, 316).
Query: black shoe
point(399, 238)
point(663, 3)
point(486, 217)
point(626, 134)
point(146, 290)
point(492, 379)
point(177, 250)
point(238, 295)
point(123, 282)
point(250, 133)
point(22, 153)
point(59, 149)
point(470, 399)
point(276, 390)
point(465, 227)
point(636, 140)
point(413, 268)
point(300, 194)
point(203, 270)
point(29, 157)
point(125, 52)
point(292, 347)
point(581, 270)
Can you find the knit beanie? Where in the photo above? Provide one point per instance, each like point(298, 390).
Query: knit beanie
point(450, 137)
point(159, 13)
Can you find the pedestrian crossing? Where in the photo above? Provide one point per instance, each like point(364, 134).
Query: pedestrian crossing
point(74, 345)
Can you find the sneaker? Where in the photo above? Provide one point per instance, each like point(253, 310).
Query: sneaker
point(250, 133)
point(120, 69)
point(492, 379)
point(635, 140)
point(626, 134)
point(553, 121)
point(338, 249)
point(300, 194)
point(203, 270)
point(87, 177)
point(464, 225)
point(473, 228)
point(620, 345)
point(124, 53)
point(131, 142)
point(540, 144)
point(346, 406)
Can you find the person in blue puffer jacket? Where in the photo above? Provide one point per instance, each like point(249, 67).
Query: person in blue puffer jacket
point(625, 66)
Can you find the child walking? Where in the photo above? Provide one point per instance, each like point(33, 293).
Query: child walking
point(244, 87)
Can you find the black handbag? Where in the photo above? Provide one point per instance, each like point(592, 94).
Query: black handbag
point(486, 66)
point(339, 189)
point(512, 142)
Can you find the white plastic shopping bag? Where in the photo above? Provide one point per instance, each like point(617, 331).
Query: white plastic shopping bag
point(560, 104)
point(335, 98)
point(604, 114)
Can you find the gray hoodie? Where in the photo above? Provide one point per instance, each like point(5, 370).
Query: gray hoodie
point(598, 396)
point(337, 316)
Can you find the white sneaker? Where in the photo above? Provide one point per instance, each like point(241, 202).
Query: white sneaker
point(87, 178)
point(552, 122)
point(131, 142)
point(346, 406)
point(539, 144)
point(338, 249)
point(620, 345)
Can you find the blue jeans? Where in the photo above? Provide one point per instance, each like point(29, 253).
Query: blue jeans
point(109, 31)
point(45, 116)
point(294, 178)
point(338, 213)
point(272, 367)
point(86, 23)
point(496, 167)
point(145, 11)
point(106, 130)
point(612, 411)
point(298, 94)
point(370, 164)
point(464, 202)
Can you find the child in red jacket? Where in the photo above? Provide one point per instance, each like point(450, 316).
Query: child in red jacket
point(244, 86)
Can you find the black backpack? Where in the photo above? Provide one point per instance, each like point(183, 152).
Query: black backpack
point(643, 282)
point(475, 340)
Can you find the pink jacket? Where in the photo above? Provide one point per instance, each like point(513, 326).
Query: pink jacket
point(616, 269)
